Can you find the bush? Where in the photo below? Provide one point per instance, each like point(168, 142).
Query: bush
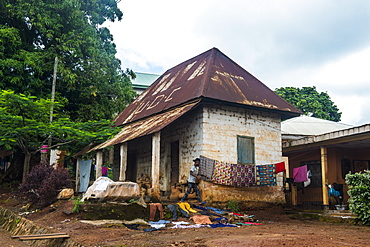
point(43, 183)
point(359, 192)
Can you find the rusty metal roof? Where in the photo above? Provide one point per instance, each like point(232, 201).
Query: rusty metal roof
point(210, 75)
point(148, 125)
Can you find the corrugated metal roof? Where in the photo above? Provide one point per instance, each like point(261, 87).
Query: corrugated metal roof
point(210, 75)
point(147, 126)
point(144, 80)
point(305, 125)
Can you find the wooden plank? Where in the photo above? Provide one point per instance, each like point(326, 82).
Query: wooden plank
point(36, 235)
point(44, 237)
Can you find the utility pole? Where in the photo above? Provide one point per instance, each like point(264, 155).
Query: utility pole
point(45, 154)
point(53, 88)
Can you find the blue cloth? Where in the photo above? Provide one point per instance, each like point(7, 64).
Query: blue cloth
point(152, 229)
point(159, 222)
point(333, 192)
point(85, 169)
point(216, 210)
point(222, 225)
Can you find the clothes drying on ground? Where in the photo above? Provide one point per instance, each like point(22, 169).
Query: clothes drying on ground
point(201, 219)
point(222, 225)
point(153, 207)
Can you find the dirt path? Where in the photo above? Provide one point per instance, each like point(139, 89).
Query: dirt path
point(277, 229)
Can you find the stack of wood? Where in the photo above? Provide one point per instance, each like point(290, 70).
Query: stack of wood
point(41, 236)
point(144, 183)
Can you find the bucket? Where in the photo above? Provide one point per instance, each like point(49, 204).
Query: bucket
point(341, 207)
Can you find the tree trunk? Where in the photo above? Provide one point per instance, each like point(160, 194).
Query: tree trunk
point(26, 166)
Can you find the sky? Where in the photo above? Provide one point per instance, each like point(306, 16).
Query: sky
point(283, 43)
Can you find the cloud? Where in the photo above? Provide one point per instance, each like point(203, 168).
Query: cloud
point(283, 43)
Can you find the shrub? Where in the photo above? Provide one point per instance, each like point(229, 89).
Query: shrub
point(43, 183)
point(233, 206)
point(359, 192)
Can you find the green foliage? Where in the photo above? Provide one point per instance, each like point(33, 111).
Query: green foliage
point(89, 77)
point(311, 102)
point(359, 192)
point(77, 205)
point(24, 121)
point(233, 206)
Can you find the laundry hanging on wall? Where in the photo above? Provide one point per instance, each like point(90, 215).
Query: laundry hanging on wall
point(239, 175)
point(265, 175)
point(222, 173)
point(206, 168)
point(280, 167)
point(243, 175)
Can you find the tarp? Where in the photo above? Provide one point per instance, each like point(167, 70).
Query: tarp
point(106, 189)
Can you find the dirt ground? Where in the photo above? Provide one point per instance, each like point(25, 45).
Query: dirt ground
point(277, 229)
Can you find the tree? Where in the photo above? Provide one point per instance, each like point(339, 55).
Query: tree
point(25, 123)
point(89, 79)
point(311, 102)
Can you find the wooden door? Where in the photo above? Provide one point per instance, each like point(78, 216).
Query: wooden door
point(174, 163)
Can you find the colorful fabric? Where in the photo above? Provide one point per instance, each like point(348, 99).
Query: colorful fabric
point(201, 219)
point(265, 175)
point(206, 168)
point(300, 174)
point(280, 167)
point(222, 173)
point(222, 225)
point(243, 175)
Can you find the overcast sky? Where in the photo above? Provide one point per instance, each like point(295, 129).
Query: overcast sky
point(281, 42)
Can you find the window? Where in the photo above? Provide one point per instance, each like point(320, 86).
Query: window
point(245, 147)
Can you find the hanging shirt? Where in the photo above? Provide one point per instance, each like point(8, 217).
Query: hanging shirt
point(300, 174)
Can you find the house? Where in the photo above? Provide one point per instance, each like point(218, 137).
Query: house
point(330, 152)
point(143, 81)
point(207, 105)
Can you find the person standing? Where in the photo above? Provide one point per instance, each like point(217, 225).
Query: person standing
point(193, 176)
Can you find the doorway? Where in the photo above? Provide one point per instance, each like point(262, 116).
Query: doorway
point(175, 151)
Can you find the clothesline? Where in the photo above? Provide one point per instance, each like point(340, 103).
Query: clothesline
point(239, 175)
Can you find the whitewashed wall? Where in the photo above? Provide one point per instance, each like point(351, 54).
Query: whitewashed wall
point(222, 124)
point(211, 131)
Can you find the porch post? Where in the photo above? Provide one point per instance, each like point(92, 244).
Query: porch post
point(324, 173)
point(123, 161)
point(78, 173)
point(99, 164)
point(156, 139)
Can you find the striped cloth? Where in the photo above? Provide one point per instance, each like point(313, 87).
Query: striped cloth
point(206, 168)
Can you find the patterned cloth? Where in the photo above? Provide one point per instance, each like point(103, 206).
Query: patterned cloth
point(243, 175)
point(206, 168)
point(265, 175)
point(222, 173)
